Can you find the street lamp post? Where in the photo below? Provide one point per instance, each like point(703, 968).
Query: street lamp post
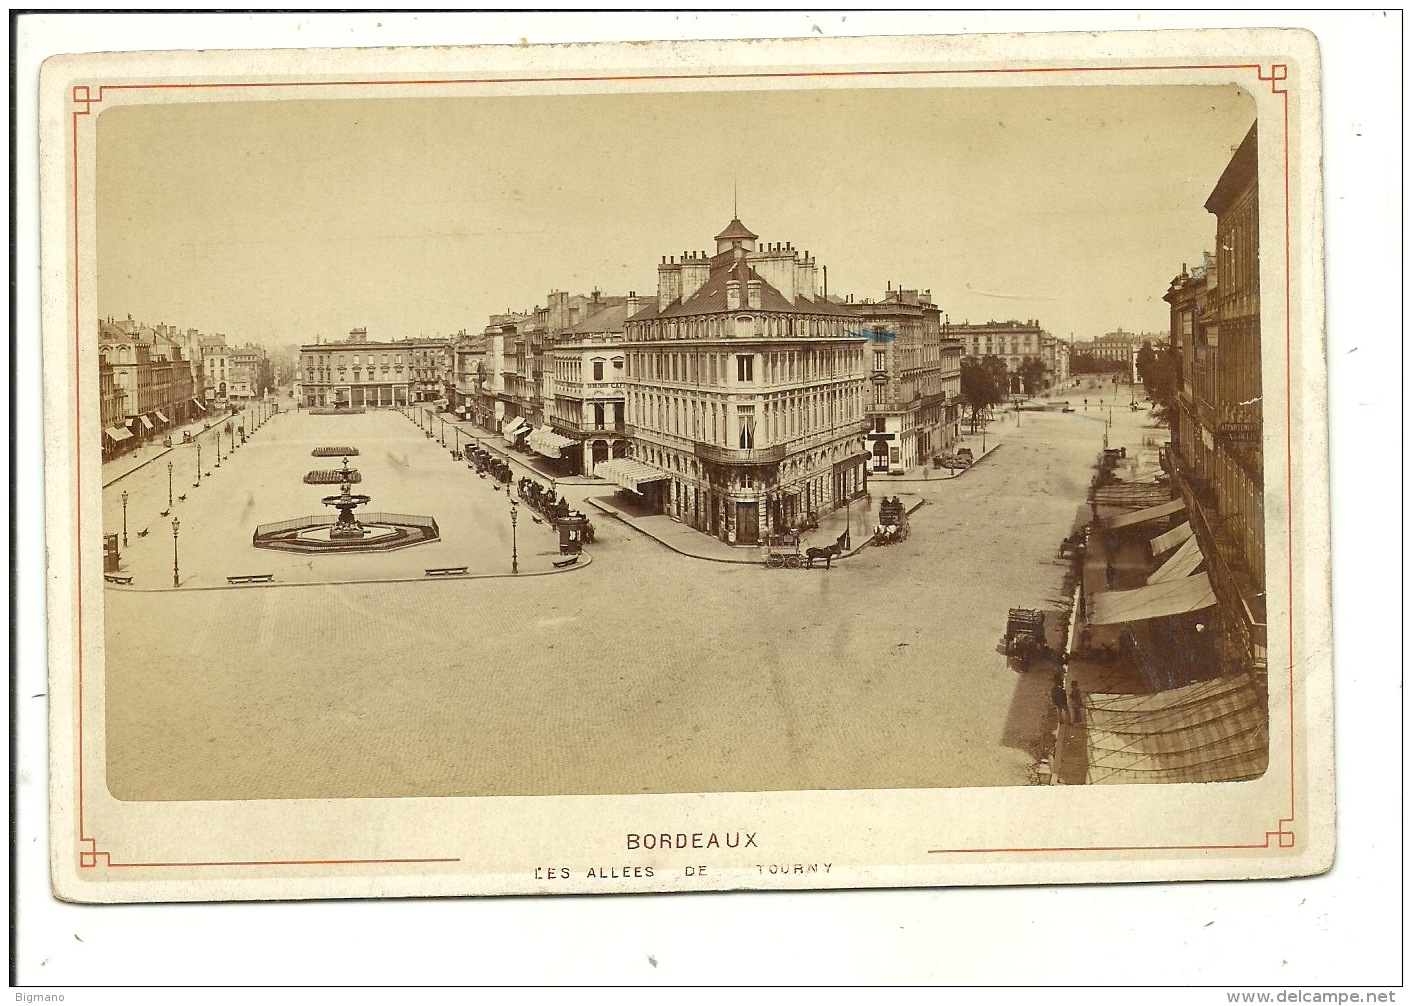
point(169, 485)
point(514, 539)
point(124, 518)
point(218, 446)
point(198, 463)
point(176, 566)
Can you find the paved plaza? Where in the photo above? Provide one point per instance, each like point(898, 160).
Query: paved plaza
point(262, 482)
point(649, 671)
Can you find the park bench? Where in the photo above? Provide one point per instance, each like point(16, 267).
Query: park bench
point(564, 563)
point(447, 571)
point(123, 578)
point(251, 578)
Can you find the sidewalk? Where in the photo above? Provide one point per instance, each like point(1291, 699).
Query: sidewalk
point(121, 467)
point(860, 519)
point(982, 447)
point(534, 464)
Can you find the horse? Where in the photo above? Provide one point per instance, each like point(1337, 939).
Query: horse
point(828, 553)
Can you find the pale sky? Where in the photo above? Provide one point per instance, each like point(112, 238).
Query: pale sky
point(281, 221)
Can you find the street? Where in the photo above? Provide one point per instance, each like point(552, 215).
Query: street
point(647, 672)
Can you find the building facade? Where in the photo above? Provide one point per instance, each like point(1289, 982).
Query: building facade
point(1014, 342)
point(587, 388)
point(909, 405)
point(356, 373)
point(744, 392)
point(1216, 448)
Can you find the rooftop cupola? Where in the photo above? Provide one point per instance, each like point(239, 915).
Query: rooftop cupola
point(736, 235)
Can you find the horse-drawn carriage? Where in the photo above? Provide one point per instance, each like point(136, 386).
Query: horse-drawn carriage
point(892, 522)
point(1024, 633)
point(782, 551)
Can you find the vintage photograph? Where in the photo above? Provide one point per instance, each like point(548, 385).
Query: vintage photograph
point(460, 447)
point(811, 434)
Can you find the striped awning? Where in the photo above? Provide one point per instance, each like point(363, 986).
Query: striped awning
point(1183, 562)
point(1146, 514)
point(145, 421)
point(1171, 539)
point(1212, 731)
point(548, 443)
point(1156, 600)
point(629, 473)
point(118, 433)
point(161, 415)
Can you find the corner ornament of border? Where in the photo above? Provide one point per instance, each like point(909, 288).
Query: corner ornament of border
point(92, 857)
point(87, 97)
point(1280, 837)
point(1278, 72)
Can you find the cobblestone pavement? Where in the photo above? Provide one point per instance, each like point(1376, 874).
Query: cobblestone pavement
point(648, 672)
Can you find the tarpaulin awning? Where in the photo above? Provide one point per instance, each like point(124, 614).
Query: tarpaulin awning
point(629, 473)
point(118, 433)
point(1156, 600)
point(145, 421)
point(548, 443)
point(1183, 562)
point(1171, 539)
point(161, 415)
point(513, 429)
point(1211, 731)
point(1146, 514)
point(197, 402)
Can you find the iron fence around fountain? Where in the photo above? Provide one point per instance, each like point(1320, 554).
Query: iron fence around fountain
point(320, 520)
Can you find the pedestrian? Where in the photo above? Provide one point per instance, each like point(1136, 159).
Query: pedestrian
point(1111, 573)
point(1076, 703)
point(1060, 703)
point(1085, 640)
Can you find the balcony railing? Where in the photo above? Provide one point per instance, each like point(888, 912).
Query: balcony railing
point(740, 455)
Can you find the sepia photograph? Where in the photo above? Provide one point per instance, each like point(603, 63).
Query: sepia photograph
point(715, 439)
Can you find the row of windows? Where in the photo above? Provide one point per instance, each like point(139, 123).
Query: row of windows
point(781, 417)
point(769, 326)
point(715, 369)
point(572, 370)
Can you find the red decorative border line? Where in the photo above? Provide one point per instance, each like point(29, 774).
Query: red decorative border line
point(84, 96)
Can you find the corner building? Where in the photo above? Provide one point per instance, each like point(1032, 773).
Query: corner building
point(744, 392)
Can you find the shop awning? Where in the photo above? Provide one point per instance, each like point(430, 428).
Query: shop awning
point(790, 491)
point(1183, 562)
point(1211, 731)
point(161, 415)
point(145, 421)
point(1146, 514)
point(460, 410)
point(197, 402)
point(629, 473)
point(1156, 600)
point(1171, 539)
point(514, 429)
point(118, 433)
point(548, 443)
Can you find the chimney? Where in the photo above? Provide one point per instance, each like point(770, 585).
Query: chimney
point(634, 303)
point(753, 289)
point(732, 294)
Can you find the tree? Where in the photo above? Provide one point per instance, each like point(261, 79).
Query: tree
point(1157, 369)
point(982, 385)
point(1032, 374)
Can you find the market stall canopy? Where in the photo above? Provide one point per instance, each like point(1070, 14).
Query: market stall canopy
point(1171, 539)
point(548, 443)
point(1146, 514)
point(1211, 731)
point(1183, 562)
point(1156, 600)
point(629, 473)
